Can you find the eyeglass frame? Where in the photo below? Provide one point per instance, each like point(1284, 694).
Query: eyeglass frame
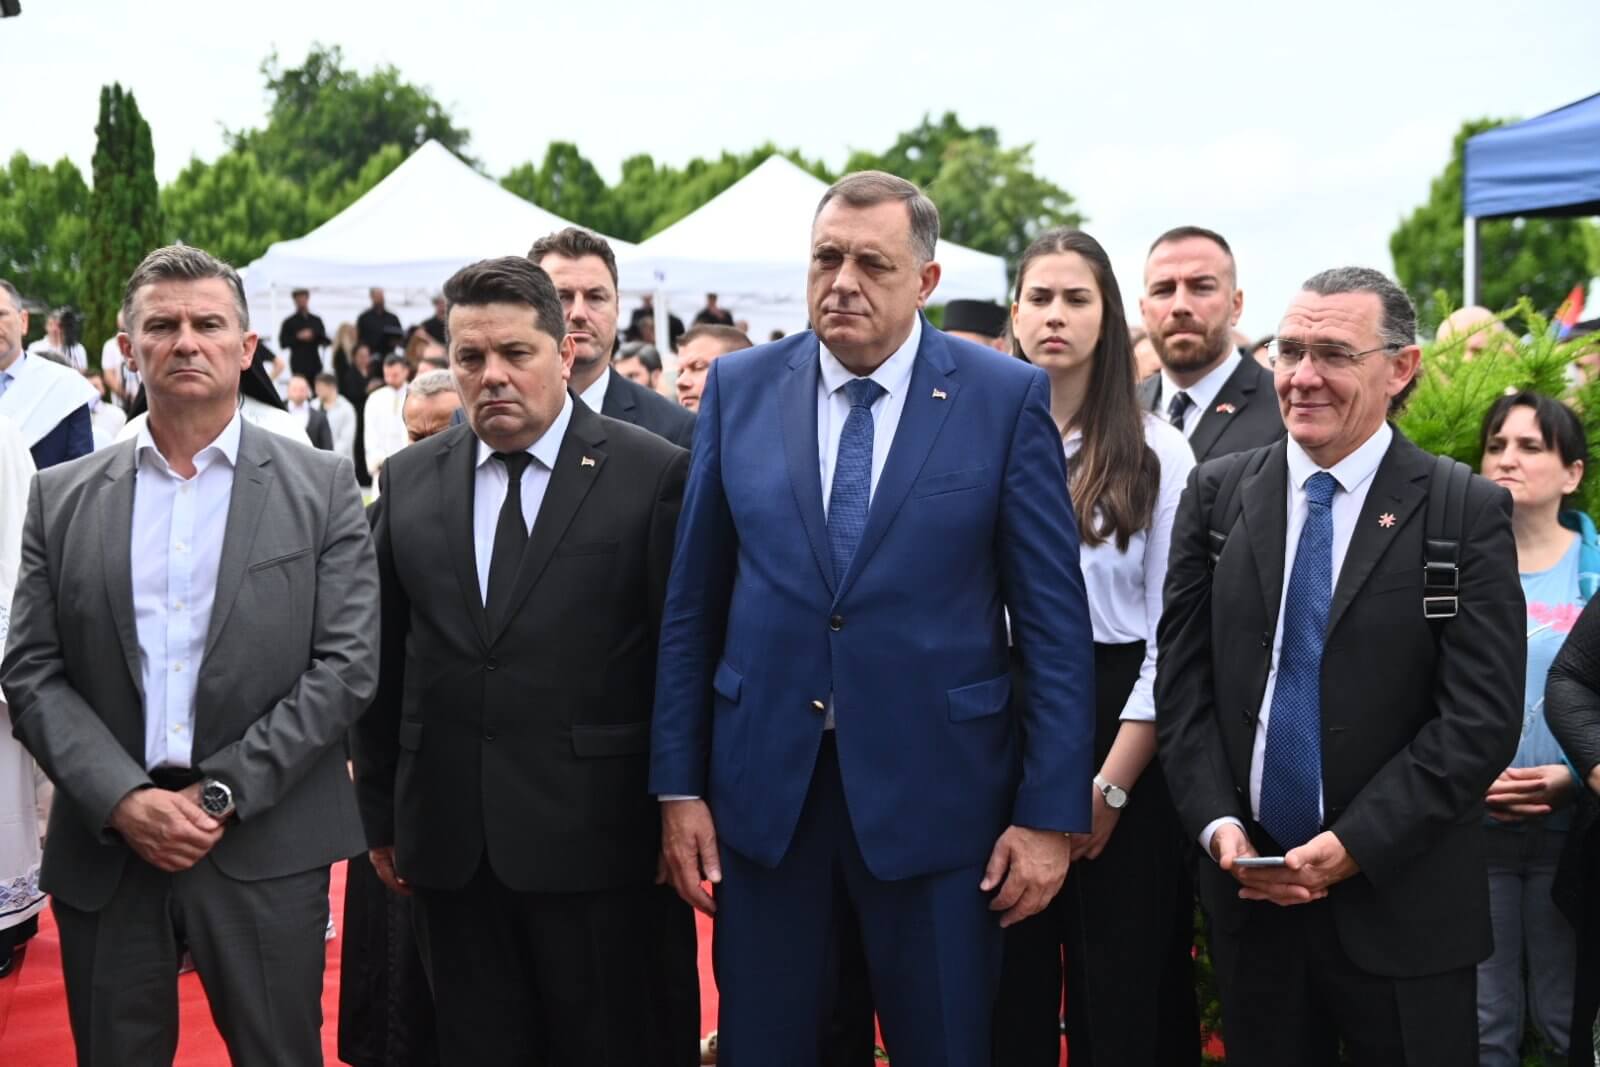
point(1274, 358)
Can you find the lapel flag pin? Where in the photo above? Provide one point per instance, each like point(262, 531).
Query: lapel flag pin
point(939, 394)
point(586, 461)
point(1226, 408)
point(1386, 520)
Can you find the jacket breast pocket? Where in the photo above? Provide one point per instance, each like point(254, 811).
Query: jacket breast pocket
point(280, 560)
point(979, 700)
point(951, 481)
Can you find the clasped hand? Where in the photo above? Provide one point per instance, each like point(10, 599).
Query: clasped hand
point(1029, 867)
point(1307, 874)
point(168, 830)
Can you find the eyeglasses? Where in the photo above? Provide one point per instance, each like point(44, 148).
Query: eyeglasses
point(1286, 355)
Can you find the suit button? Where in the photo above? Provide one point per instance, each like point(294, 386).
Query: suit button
point(818, 706)
point(1266, 640)
point(836, 623)
point(493, 665)
point(488, 735)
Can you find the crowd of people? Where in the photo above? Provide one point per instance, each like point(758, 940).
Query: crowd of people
point(943, 668)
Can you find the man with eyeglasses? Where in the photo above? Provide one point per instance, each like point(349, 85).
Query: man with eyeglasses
point(1327, 734)
point(1191, 301)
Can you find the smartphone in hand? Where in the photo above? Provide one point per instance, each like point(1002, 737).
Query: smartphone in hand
point(1259, 861)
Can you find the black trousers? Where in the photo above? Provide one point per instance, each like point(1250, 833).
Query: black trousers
point(385, 1007)
point(1290, 994)
point(1119, 932)
point(550, 979)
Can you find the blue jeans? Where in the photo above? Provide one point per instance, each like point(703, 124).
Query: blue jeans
point(1531, 937)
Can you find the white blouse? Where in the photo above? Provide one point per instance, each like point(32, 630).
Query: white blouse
point(1125, 588)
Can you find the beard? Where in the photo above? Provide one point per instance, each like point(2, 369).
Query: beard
point(1188, 356)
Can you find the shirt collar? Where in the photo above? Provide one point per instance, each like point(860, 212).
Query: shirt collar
point(225, 446)
point(1203, 392)
point(547, 447)
point(894, 373)
point(594, 397)
point(1351, 471)
point(18, 365)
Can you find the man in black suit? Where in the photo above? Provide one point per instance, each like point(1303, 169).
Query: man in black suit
point(585, 274)
point(303, 336)
point(378, 328)
point(523, 560)
point(1221, 401)
point(1355, 738)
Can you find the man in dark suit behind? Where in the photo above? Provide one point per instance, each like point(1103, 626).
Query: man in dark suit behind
point(1221, 401)
point(523, 561)
point(1356, 737)
point(585, 274)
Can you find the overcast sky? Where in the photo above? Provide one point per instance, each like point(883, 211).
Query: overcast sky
point(1302, 133)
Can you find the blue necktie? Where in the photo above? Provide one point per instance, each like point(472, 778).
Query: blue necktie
point(852, 476)
point(1291, 769)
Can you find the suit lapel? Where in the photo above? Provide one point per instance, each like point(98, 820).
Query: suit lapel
point(457, 474)
point(797, 420)
point(1265, 497)
point(252, 477)
point(619, 402)
point(116, 522)
point(578, 465)
point(920, 421)
point(1399, 485)
point(1235, 393)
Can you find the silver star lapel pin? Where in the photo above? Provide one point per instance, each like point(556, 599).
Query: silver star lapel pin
point(586, 461)
point(939, 394)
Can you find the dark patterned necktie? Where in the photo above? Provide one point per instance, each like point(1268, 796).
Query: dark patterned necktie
point(852, 476)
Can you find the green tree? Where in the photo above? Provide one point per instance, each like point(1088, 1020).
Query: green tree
point(44, 229)
point(233, 208)
point(569, 185)
point(124, 210)
point(1541, 259)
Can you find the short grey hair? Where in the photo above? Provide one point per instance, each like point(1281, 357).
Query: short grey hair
point(183, 263)
point(431, 383)
point(1398, 325)
point(11, 291)
point(865, 188)
point(1397, 322)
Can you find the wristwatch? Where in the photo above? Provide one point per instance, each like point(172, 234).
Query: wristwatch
point(216, 799)
point(1116, 797)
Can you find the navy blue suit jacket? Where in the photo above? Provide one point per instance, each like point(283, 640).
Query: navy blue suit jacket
point(970, 515)
point(72, 437)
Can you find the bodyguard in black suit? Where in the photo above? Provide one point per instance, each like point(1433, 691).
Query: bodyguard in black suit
point(584, 270)
point(1222, 402)
point(523, 561)
point(1310, 710)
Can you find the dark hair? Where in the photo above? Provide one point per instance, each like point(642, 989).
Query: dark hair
point(183, 263)
point(574, 242)
point(1114, 478)
point(647, 355)
point(1185, 233)
point(864, 188)
point(1559, 426)
point(508, 280)
point(325, 379)
point(1397, 322)
point(732, 339)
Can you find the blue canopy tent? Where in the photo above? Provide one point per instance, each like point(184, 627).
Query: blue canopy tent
point(1548, 165)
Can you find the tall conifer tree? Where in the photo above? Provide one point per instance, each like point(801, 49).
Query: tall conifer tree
point(124, 211)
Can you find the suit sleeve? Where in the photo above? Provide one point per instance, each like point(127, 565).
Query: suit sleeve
point(1188, 741)
point(663, 533)
point(51, 719)
point(1044, 592)
point(281, 746)
point(80, 433)
point(1439, 778)
point(1572, 693)
point(375, 741)
point(685, 434)
point(694, 620)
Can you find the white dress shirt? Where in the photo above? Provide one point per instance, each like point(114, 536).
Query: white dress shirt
point(1203, 393)
point(594, 397)
point(1125, 587)
point(489, 490)
point(833, 408)
point(385, 430)
point(175, 550)
point(1354, 475)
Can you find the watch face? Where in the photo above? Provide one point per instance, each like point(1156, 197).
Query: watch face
point(1116, 796)
point(214, 798)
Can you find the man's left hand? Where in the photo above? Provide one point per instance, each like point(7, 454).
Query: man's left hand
point(1307, 874)
point(1029, 867)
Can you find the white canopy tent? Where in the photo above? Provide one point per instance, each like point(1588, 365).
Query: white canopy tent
point(429, 217)
point(748, 245)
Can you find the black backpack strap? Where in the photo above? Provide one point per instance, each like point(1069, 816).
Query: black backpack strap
point(1226, 505)
point(1441, 545)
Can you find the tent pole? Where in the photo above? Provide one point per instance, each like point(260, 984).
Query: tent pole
point(1469, 261)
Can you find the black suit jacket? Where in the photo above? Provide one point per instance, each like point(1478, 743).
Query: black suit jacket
point(631, 402)
point(529, 742)
point(1415, 724)
point(1254, 421)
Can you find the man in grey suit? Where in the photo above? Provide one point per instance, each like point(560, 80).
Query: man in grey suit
point(194, 629)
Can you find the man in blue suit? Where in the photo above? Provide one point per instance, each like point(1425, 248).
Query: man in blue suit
point(834, 730)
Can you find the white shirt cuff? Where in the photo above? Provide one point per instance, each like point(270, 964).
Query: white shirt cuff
point(664, 797)
point(1209, 831)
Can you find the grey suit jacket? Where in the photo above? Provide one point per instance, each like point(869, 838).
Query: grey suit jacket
point(291, 661)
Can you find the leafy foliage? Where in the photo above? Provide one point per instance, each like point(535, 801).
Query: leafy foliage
point(233, 208)
point(124, 211)
point(44, 226)
point(1541, 259)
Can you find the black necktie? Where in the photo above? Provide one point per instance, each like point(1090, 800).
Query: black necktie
point(510, 536)
point(1178, 408)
